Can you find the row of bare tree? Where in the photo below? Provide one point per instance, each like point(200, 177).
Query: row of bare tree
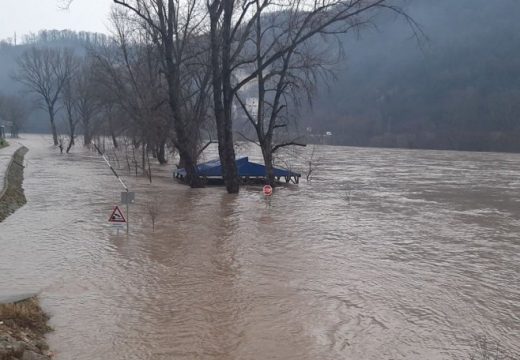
point(175, 71)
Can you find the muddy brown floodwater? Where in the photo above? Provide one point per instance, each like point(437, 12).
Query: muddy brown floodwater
point(386, 254)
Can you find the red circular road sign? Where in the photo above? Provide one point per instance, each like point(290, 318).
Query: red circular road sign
point(268, 190)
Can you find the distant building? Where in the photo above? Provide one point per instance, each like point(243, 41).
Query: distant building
point(322, 138)
point(7, 126)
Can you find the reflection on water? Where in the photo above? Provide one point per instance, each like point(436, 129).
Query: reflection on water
point(386, 254)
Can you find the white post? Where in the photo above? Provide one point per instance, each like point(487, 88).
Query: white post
point(127, 213)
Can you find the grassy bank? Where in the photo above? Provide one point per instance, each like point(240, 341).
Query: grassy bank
point(13, 196)
point(23, 326)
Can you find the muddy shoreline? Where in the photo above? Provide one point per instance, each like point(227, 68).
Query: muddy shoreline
point(12, 196)
point(23, 326)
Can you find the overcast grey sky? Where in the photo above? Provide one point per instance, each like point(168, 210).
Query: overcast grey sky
point(24, 16)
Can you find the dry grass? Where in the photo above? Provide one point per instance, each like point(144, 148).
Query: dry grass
point(26, 314)
point(486, 349)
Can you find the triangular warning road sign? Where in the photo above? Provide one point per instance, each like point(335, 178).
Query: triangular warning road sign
point(117, 216)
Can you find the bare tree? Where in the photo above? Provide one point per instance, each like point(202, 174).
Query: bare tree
point(69, 104)
point(180, 51)
point(487, 349)
point(312, 163)
point(280, 85)
point(61, 142)
point(133, 96)
point(87, 101)
point(44, 71)
point(235, 25)
point(154, 209)
point(173, 25)
point(222, 35)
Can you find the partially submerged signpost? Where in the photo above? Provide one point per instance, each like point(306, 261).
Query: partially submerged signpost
point(268, 191)
point(117, 218)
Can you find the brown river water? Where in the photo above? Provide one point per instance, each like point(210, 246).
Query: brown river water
point(386, 254)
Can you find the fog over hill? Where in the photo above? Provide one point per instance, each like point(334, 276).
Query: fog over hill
point(9, 53)
point(457, 89)
point(460, 89)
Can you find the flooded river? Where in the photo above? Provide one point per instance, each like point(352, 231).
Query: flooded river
point(386, 254)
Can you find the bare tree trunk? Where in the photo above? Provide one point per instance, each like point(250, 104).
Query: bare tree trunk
point(149, 167)
point(134, 159)
point(161, 153)
point(114, 140)
point(268, 161)
point(183, 141)
point(112, 133)
point(53, 125)
point(223, 94)
point(87, 135)
point(143, 157)
point(128, 161)
point(226, 152)
point(192, 177)
point(71, 139)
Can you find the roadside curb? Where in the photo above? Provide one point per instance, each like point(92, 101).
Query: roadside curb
point(11, 194)
point(8, 169)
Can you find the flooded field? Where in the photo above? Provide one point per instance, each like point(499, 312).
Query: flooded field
point(386, 254)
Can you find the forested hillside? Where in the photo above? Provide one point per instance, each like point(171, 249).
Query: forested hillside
point(457, 89)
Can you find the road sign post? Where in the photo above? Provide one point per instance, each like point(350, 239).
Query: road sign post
point(127, 198)
point(117, 219)
point(128, 195)
point(268, 191)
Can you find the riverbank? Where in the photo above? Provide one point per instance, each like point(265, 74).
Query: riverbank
point(12, 196)
point(23, 326)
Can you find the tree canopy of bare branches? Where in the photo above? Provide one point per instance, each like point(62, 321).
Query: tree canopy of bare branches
point(45, 71)
point(267, 41)
point(175, 28)
point(172, 62)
